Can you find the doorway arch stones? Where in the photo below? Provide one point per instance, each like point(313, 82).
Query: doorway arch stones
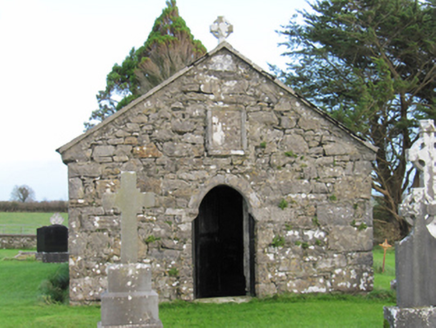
point(239, 184)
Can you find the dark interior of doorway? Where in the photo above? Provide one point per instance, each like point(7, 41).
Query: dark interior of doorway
point(219, 245)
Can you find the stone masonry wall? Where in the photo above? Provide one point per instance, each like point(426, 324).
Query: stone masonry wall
point(306, 182)
point(17, 241)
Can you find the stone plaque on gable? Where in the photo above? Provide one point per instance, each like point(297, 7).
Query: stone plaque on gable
point(226, 132)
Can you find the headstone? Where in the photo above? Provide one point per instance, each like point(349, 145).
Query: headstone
point(129, 300)
point(415, 255)
point(221, 29)
point(52, 241)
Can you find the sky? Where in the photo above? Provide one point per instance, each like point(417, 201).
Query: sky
point(55, 56)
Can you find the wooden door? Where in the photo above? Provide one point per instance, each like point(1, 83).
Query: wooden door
point(219, 245)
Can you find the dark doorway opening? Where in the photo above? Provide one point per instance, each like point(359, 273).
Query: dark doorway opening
point(224, 245)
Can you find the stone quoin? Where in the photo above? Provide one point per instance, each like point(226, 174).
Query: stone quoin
point(257, 191)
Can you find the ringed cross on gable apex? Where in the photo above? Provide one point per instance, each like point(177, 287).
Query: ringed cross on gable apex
point(221, 29)
point(129, 200)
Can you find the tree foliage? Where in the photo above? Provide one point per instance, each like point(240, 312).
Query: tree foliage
point(370, 64)
point(22, 194)
point(169, 47)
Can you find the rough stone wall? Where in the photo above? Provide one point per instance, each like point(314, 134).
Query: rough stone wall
point(17, 241)
point(305, 180)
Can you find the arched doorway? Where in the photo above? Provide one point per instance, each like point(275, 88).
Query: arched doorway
point(223, 245)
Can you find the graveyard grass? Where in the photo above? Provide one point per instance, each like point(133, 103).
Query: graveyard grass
point(21, 305)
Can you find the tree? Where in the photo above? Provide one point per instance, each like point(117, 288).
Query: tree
point(22, 194)
point(170, 47)
point(371, 64)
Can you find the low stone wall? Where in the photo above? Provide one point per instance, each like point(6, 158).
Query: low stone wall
point(17, 241)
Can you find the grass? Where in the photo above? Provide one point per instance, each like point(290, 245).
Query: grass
point(21, 306)
point(382, 281)
point(20, 302)
point(30, 221)
point(282, 311)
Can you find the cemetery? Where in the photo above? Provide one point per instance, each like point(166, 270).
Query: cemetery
point(223, 198)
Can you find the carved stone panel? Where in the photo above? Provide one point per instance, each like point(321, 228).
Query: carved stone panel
point(226, 132)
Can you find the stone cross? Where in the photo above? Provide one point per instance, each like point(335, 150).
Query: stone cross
point(385, 247)
point(56, 219)
point(130, 201)
point(423, 156)
point(415, 256)
point(221, 28)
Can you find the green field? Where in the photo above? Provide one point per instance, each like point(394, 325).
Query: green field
point(21, 306)
point(24, 222)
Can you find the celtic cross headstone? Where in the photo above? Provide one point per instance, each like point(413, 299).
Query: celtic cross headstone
point(415, 255)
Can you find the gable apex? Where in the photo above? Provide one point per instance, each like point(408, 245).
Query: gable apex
point(224, 45)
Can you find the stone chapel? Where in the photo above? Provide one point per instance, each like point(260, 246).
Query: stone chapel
point(257, 191)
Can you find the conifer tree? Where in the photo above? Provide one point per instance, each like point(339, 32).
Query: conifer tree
point(169, 47)
point(370, 64)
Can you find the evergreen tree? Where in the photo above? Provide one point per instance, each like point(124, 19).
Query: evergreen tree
point(170, 47)
point(371, 64)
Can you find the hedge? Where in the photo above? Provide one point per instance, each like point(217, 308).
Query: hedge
point(44, 206)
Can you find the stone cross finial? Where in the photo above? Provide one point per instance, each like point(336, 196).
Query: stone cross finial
point(221, 28)
point(423, 156)
point(130, 201)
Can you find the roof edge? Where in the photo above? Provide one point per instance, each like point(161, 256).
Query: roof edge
point(230, 48)
point(274, 79)
point(126, 108)
point(114, 116)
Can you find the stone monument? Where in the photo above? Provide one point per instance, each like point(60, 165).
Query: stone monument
point(52, 241)
point(416, 254)
point(129, 300)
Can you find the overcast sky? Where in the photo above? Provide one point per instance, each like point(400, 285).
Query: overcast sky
point(55, 55)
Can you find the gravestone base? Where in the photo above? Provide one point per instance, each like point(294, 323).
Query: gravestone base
point(418, 317)
point(52, 257)
point(129, 301)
